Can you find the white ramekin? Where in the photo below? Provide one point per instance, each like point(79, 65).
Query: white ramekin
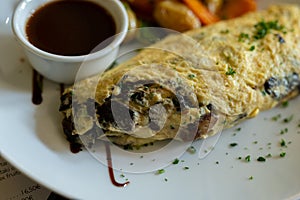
point(63, 69)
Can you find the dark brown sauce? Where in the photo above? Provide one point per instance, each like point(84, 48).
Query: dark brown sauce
point(62, 88)
point(37, 88)
point(75, 147)
point(70, 27)
point(110, 168)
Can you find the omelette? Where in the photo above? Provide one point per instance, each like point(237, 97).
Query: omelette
point(191, 86)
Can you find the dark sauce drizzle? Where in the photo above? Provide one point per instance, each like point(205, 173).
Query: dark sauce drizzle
point(37, 88)
point(62, 88)
point(110, 168)
point(75, 147)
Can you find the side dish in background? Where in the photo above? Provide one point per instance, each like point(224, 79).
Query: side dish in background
point(183, 15)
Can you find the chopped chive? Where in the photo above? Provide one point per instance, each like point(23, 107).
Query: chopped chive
point(285, 104)
point(282, 143)
point(275, 118)
point(252, 48)
point(224, 31)
point(160, 171)
point(261, 159)
point(288, 119)
point(243, 37)
point(282, 154)
point(191, 76)
point(176, 161)
point(230, 72)
point(233, 144)
point(186, 168)
point(248, 158)
point(269, 155)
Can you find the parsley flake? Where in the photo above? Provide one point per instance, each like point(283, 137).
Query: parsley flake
point(282, 154)
point(285, 104)
point(261, 159)
point(248, 158)
point(263, 28)
point(230, 72)
point(288, 119)
point(176, 161)
point(243, 37)
point(282, 143)
point(160, 171)
point(233, 144)
point(191, 76)
point(252, 48)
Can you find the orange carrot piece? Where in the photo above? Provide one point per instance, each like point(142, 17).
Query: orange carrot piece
point(201, 11)
point(235, 8)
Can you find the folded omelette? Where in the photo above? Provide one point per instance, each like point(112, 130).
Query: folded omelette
point(191, 86)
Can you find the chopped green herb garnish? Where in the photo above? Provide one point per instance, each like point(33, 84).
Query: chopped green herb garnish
point(224, 31)
point(191, 76)
point(284, 131)
point(247, 158)
point(252, 48)
point(269, 155)
point(238, 129)
point(285, 104)
point(172, 127)
point(243, 37)
point(217, 162)
point(261, 159)
point(186, 168)
point(176, 161)
point(240, 158)
point(122, 175)
point(230, 72)
point(166, 179)
point(250, 178)
point(255, 142)
point(282, 154)
point(233, 144)
point(160, 171)
point(275, 118)
point(263, 28)
point(288, 119)
point(282, 143)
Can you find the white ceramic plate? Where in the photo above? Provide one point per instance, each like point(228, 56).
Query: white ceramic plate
point(32, 140)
